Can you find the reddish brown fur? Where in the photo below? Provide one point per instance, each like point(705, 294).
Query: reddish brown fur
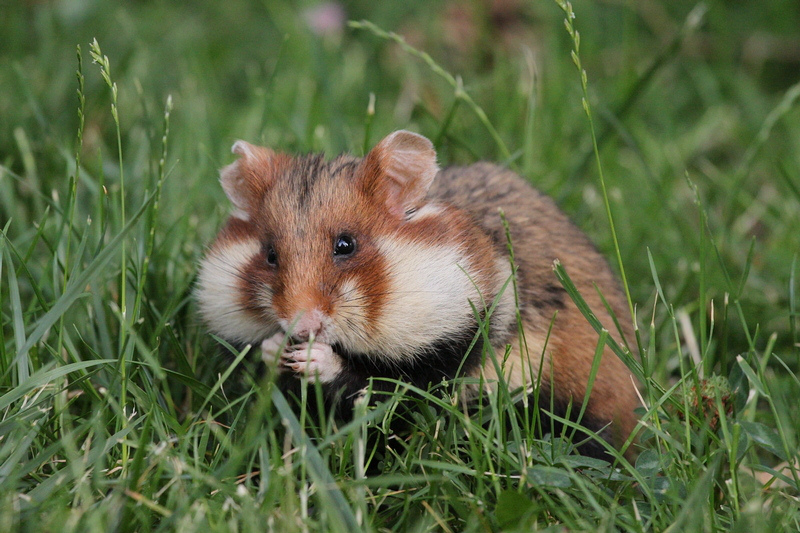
point(540, 234)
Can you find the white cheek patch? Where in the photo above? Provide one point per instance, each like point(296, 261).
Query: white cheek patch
point(219, 293)
point(429, 296)
point(349, 322)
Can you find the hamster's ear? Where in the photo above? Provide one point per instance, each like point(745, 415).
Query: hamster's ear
point(399, 171)
point(247, 179)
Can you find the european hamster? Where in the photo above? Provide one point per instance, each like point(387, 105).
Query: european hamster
point(354, 268)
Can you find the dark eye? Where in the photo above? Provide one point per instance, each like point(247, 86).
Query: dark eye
point(272, 256)
point(344, 245)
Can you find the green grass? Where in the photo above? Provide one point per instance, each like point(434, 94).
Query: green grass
point(117, 412)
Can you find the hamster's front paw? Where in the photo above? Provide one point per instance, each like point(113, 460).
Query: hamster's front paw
point(316, 361)
point(273, 349)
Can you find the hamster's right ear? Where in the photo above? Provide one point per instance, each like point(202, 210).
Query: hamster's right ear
point(399, 171)
point(247, 179)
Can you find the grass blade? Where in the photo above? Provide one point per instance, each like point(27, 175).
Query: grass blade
point(77, 285)
point(331, 497)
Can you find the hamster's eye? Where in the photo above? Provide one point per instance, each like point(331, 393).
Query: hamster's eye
point(344, 245)
point(272, 256)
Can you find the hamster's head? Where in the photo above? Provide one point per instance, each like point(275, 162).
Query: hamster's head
point(348, 251)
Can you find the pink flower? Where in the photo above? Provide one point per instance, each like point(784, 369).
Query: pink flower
point(325, 19)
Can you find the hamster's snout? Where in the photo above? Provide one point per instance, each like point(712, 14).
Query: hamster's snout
point(308, 326)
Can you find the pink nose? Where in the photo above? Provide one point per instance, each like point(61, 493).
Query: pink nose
point(310, 324)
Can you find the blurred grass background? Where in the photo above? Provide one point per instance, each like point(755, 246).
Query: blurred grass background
point(695, 106)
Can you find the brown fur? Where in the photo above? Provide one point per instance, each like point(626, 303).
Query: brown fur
point(540, 234)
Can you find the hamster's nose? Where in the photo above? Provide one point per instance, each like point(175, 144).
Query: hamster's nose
point(308, 326)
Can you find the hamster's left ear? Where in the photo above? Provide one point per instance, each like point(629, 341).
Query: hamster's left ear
point(399, 171)
point(247, 179)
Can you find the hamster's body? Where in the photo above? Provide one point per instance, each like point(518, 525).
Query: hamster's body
point(359, 268)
